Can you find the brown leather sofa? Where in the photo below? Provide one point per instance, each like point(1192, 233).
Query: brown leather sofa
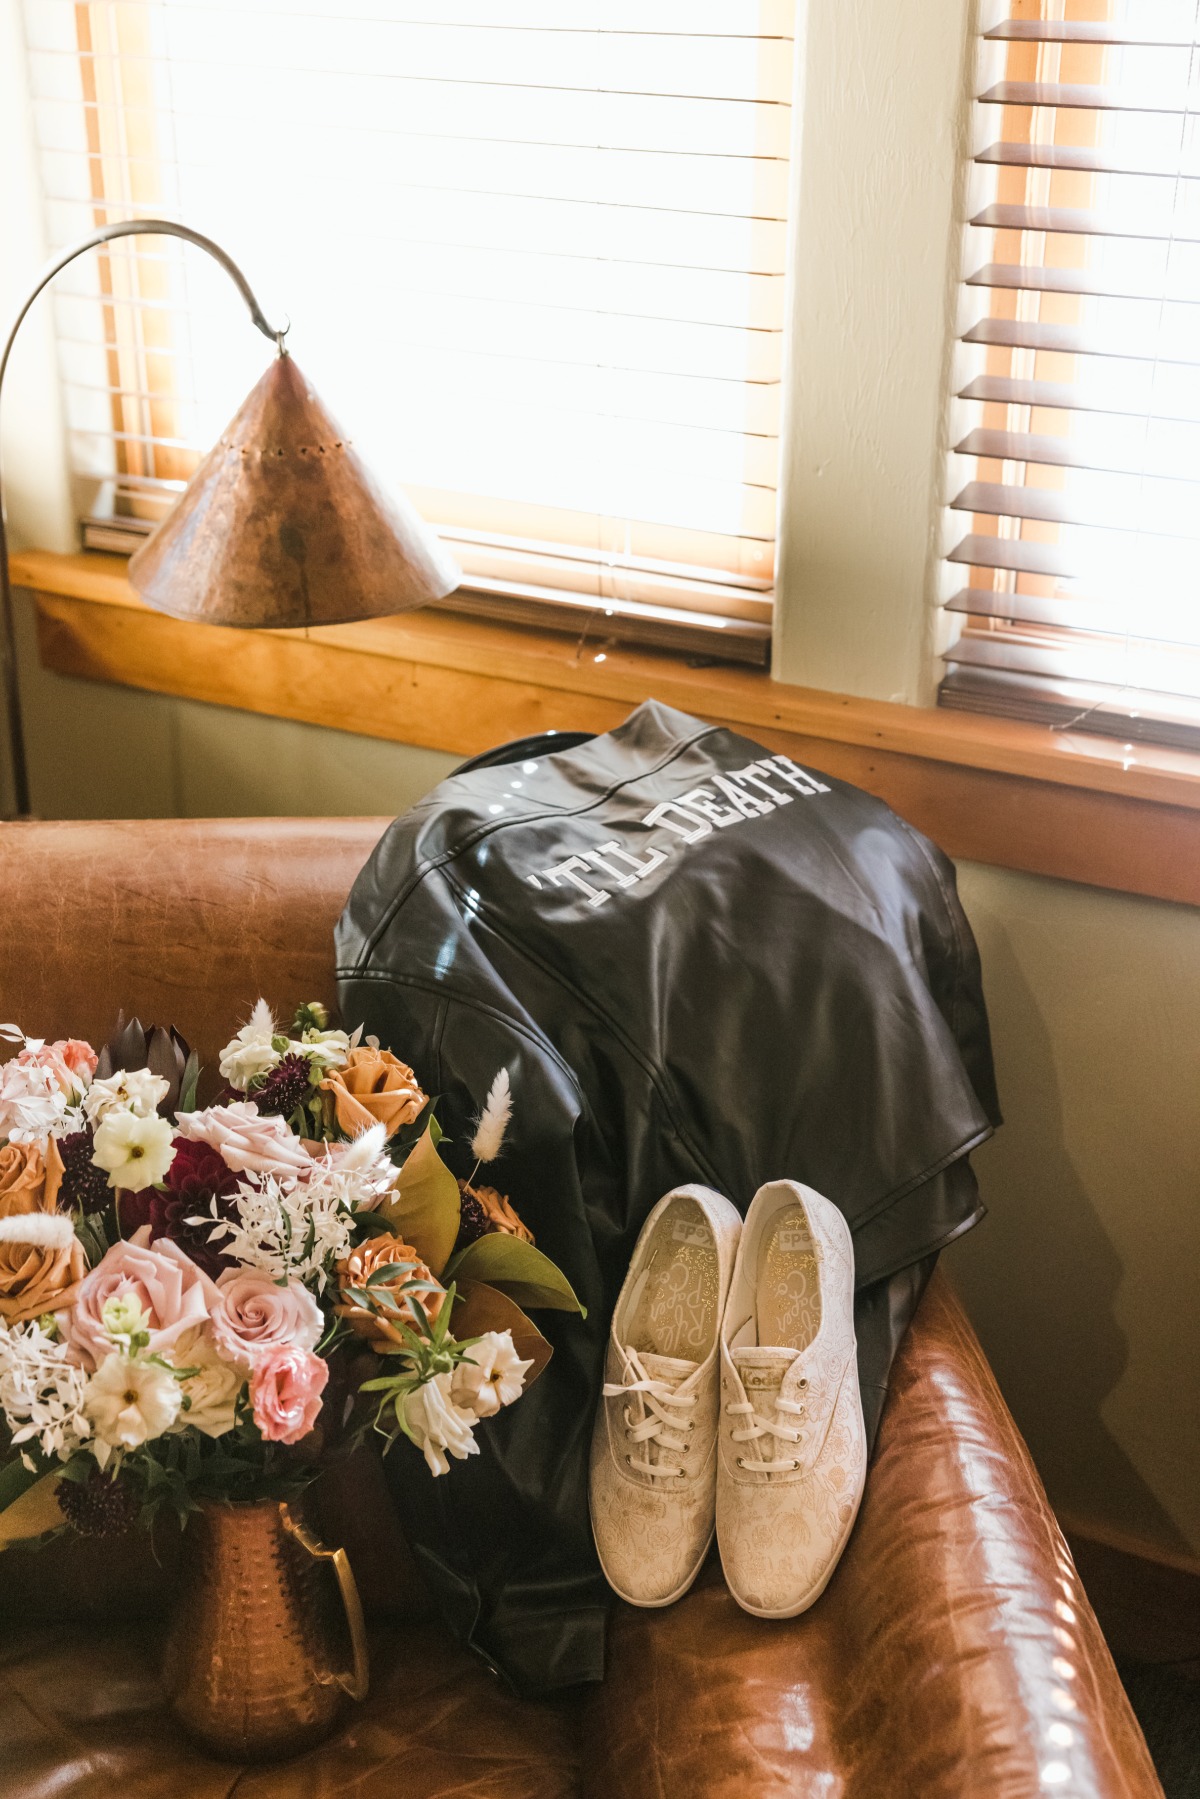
point(954, 1655)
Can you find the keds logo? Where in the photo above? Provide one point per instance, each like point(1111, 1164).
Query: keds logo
point(729, 799)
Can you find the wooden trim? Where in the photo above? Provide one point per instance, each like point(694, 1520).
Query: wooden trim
point(991, 790)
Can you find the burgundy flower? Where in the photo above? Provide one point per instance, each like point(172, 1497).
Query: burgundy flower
point(196, 1178)
point(83, 1184)
point(287, 1086)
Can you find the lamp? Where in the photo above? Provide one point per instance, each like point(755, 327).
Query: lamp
point(282, 525)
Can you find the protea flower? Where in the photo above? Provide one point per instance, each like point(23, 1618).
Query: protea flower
point(160, 1049)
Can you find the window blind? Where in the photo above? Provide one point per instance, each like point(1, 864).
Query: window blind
point(1076, 424)
point(533, 251)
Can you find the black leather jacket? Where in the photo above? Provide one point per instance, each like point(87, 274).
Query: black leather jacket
point(698, 963)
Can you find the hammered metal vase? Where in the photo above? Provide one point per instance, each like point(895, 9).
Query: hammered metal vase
point(259, 1664)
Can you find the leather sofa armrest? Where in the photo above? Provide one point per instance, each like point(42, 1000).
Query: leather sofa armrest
point(954, 1654)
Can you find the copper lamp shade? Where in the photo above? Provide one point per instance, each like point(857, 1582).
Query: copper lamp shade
point(283, 525)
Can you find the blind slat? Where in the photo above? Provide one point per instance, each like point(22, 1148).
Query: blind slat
point(1169, 515)
point(1047, 94)
point(1079, 222)
point(1079, 340)
point(1181, 158)
point(1086, 31)
point(1100, 284)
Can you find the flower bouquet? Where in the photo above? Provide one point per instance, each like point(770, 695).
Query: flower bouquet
point(196, 1303)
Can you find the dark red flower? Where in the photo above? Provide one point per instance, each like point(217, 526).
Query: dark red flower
point(83, 1184)
point(103, 1505)
point(197, 1176)
point(287, 1086)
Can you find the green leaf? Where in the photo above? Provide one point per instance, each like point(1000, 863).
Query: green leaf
point(190, 1081)
point(518, 1269)
point(15, 1478)
point(423, 1208)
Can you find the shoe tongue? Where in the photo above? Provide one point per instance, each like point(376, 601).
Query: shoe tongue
point(672, 1369)
point(763, 1371)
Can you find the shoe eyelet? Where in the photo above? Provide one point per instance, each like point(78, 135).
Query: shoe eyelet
point(741, 1461)
point(629, 1461)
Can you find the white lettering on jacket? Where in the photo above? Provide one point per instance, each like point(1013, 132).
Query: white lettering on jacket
point(735, 798)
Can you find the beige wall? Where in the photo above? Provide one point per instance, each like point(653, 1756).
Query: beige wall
point(1083, 1279)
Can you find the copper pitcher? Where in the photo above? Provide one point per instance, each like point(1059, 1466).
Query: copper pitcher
point(252, 1662)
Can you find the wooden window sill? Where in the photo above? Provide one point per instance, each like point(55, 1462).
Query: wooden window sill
point(1015, 795)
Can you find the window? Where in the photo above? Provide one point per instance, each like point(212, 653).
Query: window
point(1076, 424)
point(533, 252)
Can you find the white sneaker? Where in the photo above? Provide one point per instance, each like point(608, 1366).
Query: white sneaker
point(793, 1449)
point(653, 1473)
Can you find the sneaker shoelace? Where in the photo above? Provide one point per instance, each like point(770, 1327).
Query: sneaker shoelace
point(785, 1426)
point(655, 1420)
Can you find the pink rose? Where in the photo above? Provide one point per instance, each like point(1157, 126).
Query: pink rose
point(285, 1391)
point(79, 1057)
point(69, 1063)
point(175, 1295)
point(248, 1142)
point(252, 1316)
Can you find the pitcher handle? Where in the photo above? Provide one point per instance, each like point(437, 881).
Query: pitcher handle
point(356, 1682)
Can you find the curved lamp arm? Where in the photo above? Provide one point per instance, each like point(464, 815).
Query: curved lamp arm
point(8, 648)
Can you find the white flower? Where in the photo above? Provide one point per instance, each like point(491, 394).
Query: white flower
point(493, 1376)
point(437, 1426)
point(42, 1390)
point(124, 1316)
point(134, 1152)
point(130, 1402)
point(209, 1397)
point(251, 1053)
point(133, 1090)
point(324, 1049)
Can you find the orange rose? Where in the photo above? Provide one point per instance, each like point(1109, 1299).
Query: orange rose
point(29, 1180)
point(40, 1273)
point(353, 1273)
point(373, 1088)
point(498, 1214)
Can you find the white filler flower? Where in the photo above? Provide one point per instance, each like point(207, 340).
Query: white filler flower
point(42, 1389)
point(134, 1152)
point(494, 1375)
point(130, 1402)
point(437, 1426)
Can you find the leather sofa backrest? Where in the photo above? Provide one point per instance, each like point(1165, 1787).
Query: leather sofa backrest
point(178, 921)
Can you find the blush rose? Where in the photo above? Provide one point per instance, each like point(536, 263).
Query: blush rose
point(285, 1393)
point(252, 1316)
point(176, 1296)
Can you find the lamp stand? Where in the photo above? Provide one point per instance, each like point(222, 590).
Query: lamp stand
point(8, 641)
